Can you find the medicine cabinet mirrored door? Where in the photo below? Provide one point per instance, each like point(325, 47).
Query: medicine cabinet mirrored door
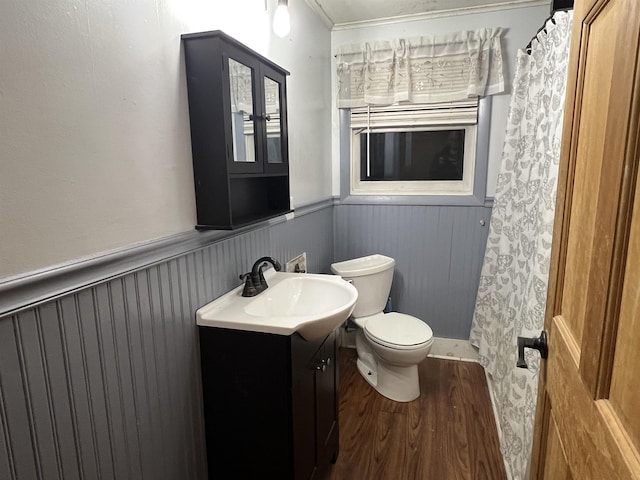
point(257, 116)
point(272, 118)
point(242, 116)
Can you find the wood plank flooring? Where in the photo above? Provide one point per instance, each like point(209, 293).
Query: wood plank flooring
point(448, 433)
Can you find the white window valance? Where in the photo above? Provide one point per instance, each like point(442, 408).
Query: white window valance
point(429, 69)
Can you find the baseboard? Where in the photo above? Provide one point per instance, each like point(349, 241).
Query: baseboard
point(507, 467)
point(444, 348)
point(453, 349)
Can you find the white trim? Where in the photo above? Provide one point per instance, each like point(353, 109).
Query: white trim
point(415, 118)
point(418, 187)
point(315, 6)
point(442, 348)
point(453, 349)
point(492, 397)
point(448, 113)
point(482, 158)
point(428, 15)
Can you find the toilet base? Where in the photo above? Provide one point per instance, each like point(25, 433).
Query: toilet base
point(397, 383)
point(368, 373)
point(400, 384)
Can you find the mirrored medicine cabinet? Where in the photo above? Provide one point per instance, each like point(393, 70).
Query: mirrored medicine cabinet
point(238, 117)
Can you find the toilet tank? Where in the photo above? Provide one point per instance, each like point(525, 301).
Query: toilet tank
point(372, 276)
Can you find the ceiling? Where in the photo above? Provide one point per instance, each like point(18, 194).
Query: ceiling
point(336, 13)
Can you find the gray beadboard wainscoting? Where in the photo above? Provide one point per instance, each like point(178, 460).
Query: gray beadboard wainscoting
point(104, 382)
point(99, 361)
point(438, 251)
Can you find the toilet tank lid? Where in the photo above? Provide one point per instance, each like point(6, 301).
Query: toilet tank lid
point(358, 267)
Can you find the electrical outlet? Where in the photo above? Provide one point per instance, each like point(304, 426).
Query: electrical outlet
point(297, 264)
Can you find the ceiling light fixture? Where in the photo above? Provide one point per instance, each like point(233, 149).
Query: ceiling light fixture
point(281, 23)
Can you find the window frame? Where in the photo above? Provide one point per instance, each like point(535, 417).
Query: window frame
point(416, 187)
point(475, 196)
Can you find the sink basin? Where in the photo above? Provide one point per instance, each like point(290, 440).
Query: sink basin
point(312, 305)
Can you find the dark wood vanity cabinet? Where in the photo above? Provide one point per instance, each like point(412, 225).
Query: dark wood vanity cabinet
point(270, 404)
point(238, 118)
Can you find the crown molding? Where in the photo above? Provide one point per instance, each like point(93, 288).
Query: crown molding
point(317, 8)
point(423, 16)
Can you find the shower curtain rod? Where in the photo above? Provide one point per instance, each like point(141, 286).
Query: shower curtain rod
point(556, 6)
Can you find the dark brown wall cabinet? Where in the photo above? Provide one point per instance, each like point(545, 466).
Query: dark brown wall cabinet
point(238, 115)
point(270, 404)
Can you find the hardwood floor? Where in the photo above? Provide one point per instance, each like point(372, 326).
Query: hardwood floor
point(448, 433)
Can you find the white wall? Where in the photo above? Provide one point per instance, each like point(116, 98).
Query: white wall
point(95, 151)
point(520, 24)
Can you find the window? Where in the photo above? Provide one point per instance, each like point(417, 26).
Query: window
point(417, 149)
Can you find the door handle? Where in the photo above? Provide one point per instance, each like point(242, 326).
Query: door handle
point(539, 344)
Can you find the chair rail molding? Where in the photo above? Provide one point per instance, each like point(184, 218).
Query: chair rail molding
point(30, 289)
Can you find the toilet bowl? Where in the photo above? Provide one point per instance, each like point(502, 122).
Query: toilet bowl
point(389, 345)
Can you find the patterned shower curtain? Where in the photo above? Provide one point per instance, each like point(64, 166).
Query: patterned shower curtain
point(513, 284)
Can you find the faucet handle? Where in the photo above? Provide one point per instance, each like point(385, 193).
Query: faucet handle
point(249, 288)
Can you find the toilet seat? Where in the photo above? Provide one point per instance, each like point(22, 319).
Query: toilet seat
point(398, 331)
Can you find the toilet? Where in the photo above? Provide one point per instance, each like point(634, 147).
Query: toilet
point(390, 345)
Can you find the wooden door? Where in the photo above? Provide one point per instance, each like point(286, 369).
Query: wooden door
point(588, 418)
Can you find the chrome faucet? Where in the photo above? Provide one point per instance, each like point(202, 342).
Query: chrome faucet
point(254, 280)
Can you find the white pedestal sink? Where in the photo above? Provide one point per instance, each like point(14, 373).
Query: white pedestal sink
point(312, 305)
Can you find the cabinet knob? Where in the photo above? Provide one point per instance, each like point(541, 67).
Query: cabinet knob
point(323, 364)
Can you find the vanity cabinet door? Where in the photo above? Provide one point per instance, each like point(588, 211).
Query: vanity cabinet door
point(247, 404)
point(315, 405)
point(303, 373)
point(270, 407)
point(326, 403)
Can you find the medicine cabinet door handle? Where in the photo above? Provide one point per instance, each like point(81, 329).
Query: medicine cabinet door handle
point(260, 117)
